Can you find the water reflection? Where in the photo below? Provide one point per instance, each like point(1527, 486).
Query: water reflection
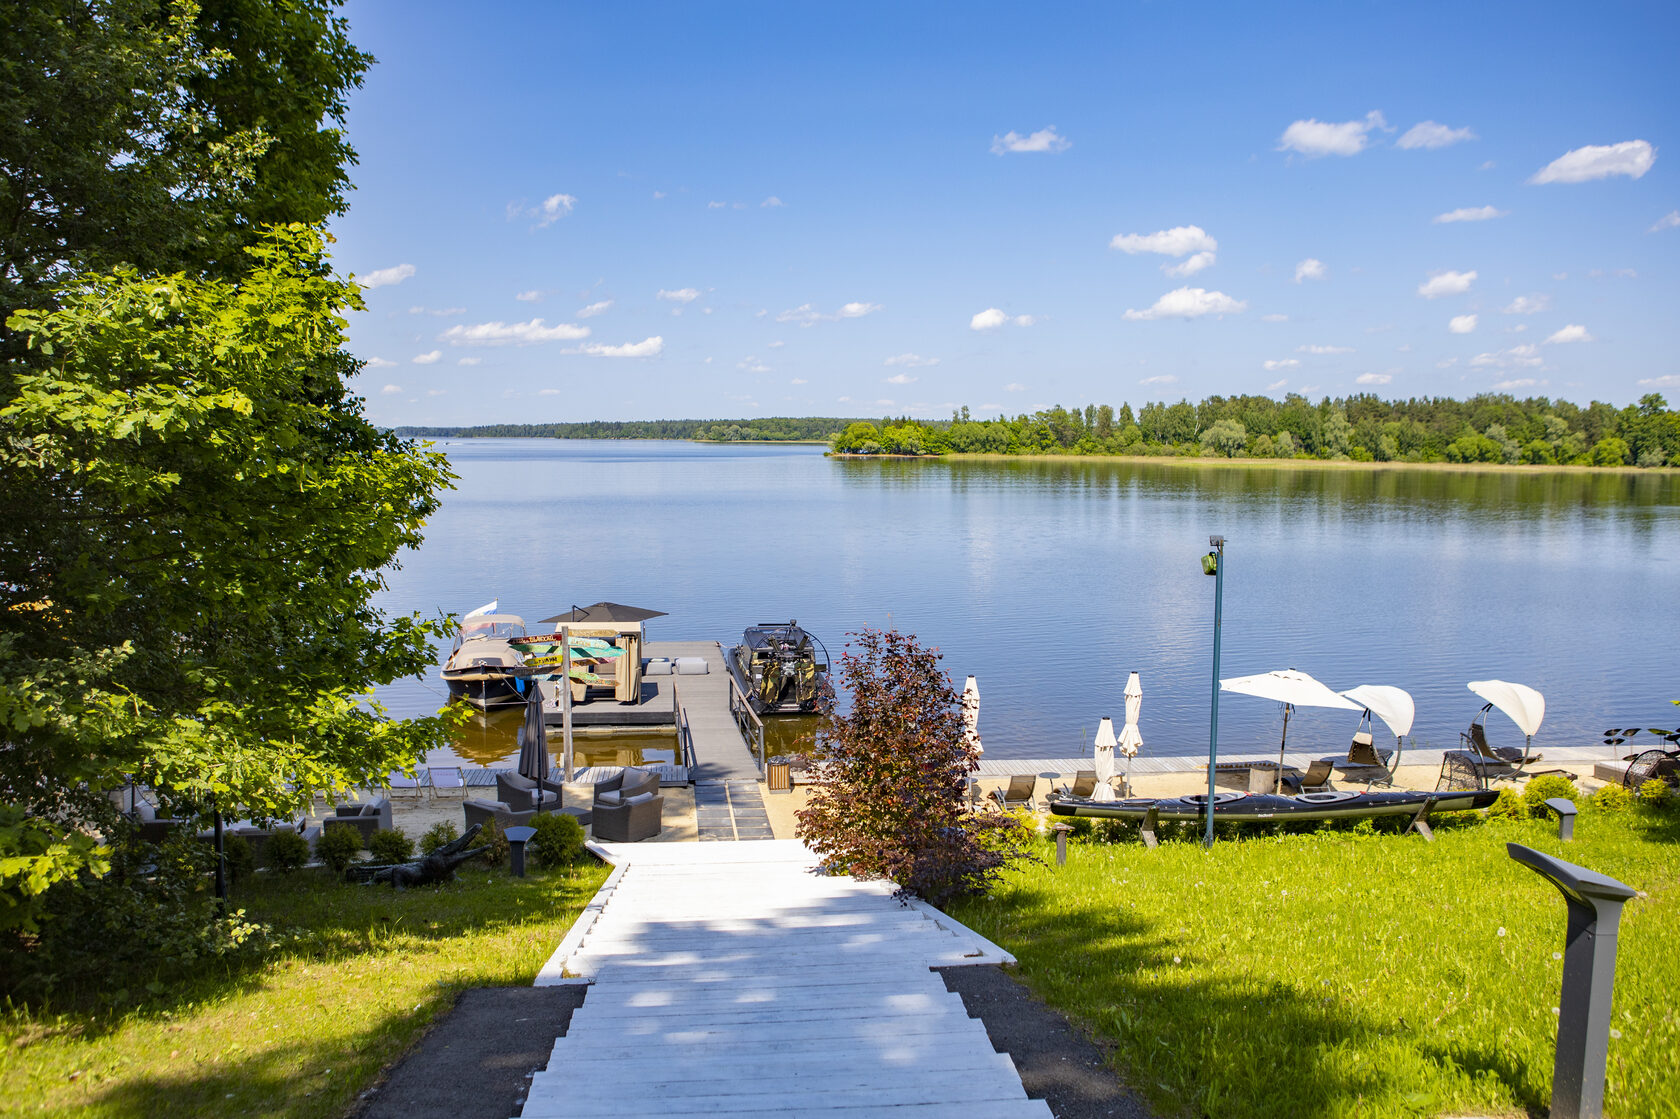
point(491, 739)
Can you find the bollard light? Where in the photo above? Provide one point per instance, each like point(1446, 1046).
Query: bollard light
point(1589, 975)
point(1564, 809)
point(517, 837)
point(1061, 843)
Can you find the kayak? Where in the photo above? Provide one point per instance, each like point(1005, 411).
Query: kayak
point(1255, 807)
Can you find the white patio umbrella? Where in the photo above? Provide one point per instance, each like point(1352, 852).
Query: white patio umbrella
point(971, 714)
point(1105, 744)
point(1131, 739)
point(1293, 689)
point(1523, 704)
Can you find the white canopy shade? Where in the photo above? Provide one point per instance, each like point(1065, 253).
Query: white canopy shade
point(487, 608)
point(1287, 685)
point(1392, 705)
point(1105, 742)
point(1526, 706)
point(971, 712)
point(1131, 739)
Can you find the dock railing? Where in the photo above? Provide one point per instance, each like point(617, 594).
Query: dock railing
point(685, 734)
point(751, 726)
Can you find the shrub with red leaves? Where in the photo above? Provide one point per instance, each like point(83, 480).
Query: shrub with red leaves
point(893, 779)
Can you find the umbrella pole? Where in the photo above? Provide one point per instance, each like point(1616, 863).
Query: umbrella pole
point(1277, 786)
point(566, 700)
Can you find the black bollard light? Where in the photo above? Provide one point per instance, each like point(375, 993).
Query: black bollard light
point(1061, 831)
point(1564, 809)
point(517, 837)
point(1589, 976)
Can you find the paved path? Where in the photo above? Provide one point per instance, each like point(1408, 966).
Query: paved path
point(731, 810)
point(729, 980)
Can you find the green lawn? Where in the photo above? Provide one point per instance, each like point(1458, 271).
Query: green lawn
point(360, 974)
point(1343, 974)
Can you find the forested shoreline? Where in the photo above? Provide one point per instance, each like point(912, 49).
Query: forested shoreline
point(1537, 431)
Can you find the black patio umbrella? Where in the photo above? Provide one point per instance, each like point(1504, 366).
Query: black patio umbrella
point(533, 741)
point(603, 612)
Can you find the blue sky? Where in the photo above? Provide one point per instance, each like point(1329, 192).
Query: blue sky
point(624, 211)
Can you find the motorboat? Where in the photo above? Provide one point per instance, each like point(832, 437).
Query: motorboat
point(1262, 807)
point(483, 667)
point(781, 669)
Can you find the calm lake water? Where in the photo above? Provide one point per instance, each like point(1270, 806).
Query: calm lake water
point(1050, 581)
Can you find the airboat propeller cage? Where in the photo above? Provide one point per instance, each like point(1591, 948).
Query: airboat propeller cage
point(781, 666)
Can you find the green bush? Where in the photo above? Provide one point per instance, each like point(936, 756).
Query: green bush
point(338, 847)
point(286, 852)
point(491, 837)
point(1655, 793)
point(1509, 806)
point(439, 835)
point(1611, 798)
point(241, 860)
point(559, 839)
point(1543, 788)
point(390, 845)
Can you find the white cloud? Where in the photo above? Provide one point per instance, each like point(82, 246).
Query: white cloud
point(1190, 266)
point(1188, 303)
point(1668, 221)
point(777, 344)
point(555, 207)
point(1274, 317)
point(391, 390)
point(438, 312)
point(1462, 324)
point(798, 381)
point(1470, 213)
point(1599, 161)
point(911, 361)
point(548, 392)
point(379, 363)
point(1446, 283)
point(1528, 304)
point(1179, 241)
point(1323, 350)
point(426, 359)
point(1014, 386)
point(751, 364)
point(1280, 363)
point(1571, 333)
point(385, 277)
point(681, 295)
point(1309, 269)
point(1666, 381)
point(1044, 140)
point(647, 347)
point(437, 392)
point(1519, 383)
point(1373, 379)
point(717, 205)
point(992, 318)
point(659, 194)
point(901, 379)
point(771, 203)
point(1430, 134)
point(1517, 328)
point(529, 296)
point(1316, 137)
point(517, 333)
point(469, 361)
point(1160, 379)
point(807, 315)
point(1275, 385)
point(1525, 356)
point(594, 309)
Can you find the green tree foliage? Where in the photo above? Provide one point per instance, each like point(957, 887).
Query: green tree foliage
point(895, 772)
point(770, 429)
point(1225, 437)
point(197, 516)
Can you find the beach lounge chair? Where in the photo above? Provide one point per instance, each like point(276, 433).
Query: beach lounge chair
point(1315, 780)
point(1476, 739)
point(448, 777)
point(402, 785)
point(1084, 784)
point(1364, 762)
point(1019, 794)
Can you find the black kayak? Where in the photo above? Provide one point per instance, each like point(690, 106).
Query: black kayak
point(1266, 806)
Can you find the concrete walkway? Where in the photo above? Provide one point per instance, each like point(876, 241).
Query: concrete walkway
point(727, 979)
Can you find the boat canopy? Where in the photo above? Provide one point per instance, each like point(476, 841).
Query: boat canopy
point(1392, 705)
point(492, 626)
point(1526, 706)
point(1288, 685)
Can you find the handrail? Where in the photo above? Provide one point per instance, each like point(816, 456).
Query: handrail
point(746, 719)
point(685, 734)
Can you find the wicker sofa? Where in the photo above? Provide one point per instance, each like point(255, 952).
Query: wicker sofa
point(632, 812)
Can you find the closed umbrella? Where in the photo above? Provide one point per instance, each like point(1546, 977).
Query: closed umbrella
point(533, 741)
point(1293, 689)
point(971, 714)
point(1105, 760)
point(1131, 739)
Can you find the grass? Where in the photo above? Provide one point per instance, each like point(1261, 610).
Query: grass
point(1341, 973)
point(356, 976)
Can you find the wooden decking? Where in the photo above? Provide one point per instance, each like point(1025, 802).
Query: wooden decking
point(727, 979)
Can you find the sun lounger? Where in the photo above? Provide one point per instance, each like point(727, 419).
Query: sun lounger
point(402, 785)
point(1019, 794)
point(447, 778)
point(1315, 780)
point(1084, 783)
point(1476, 739)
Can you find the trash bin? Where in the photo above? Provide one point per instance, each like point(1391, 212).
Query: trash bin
point(779, 776)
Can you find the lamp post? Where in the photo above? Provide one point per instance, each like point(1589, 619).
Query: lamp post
point(1214, 564)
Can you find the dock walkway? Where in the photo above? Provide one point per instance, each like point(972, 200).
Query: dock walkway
point(727, 979)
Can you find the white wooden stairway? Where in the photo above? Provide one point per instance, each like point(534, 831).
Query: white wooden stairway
point(727, 979)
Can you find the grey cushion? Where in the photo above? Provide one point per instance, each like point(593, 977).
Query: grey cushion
point(609, 798)
point(691, 666)
point(641, 798)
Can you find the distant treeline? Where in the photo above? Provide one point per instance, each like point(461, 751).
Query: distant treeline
point(774, 429)
point(1495, 428)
